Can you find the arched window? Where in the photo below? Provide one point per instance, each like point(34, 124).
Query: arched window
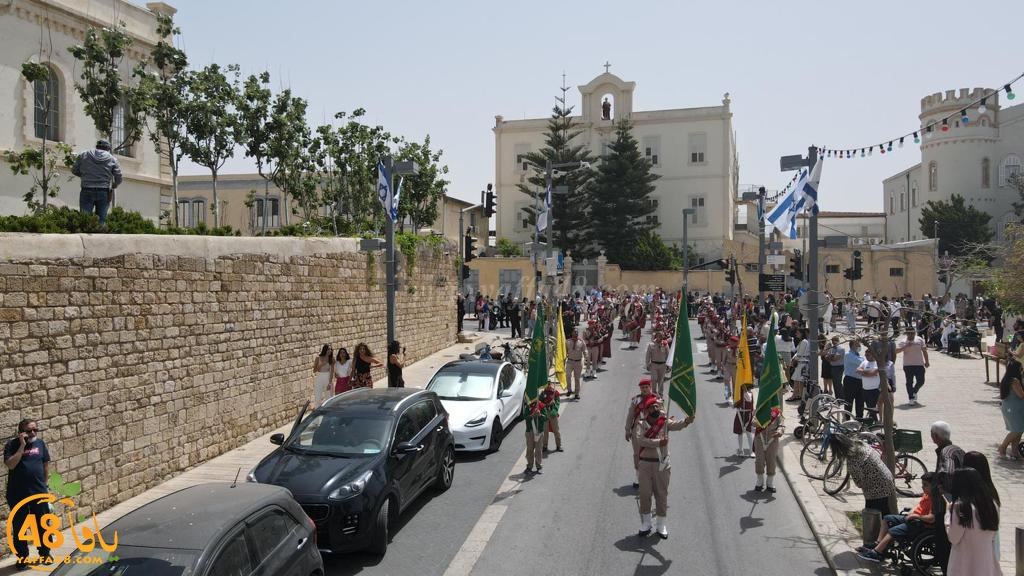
point(119, 130)
point(986, 169)
point(933, 176)
point(46, 104)
point(1009, 167)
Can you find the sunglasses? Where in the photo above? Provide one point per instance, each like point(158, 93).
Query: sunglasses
point(32, 430)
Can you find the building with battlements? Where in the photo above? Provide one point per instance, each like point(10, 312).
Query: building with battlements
point(974, 160)
point(692, 149)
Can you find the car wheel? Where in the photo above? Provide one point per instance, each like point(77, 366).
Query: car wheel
point(496, 436)
point(446, 469)
point(379, 538)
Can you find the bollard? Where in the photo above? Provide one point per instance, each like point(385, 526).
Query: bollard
point(871, 524)
point(1019, 541)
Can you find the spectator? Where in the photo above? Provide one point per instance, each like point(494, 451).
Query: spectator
point(395, 365)
point(853, 392)
point(868, 472)
point(972, 524)
point(948, 458)
point(1011, 392)
point(28, 465)
point(915, 362)
point(101, 175)
point(323, 369)
point(342, 371)
point(870, 383)
point(902, 527)
point(363, 362)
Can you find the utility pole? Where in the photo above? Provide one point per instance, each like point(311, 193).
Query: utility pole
point(392, 169)
point(761, 256)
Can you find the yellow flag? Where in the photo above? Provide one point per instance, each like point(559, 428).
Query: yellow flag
point(744, 370)
point(560, 353)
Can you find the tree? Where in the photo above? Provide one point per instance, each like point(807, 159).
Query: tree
point(571, 228)
point(508, 248)
point(165, 95)
point(116, 105)
point(620, 199)
point(421, 192)
point(1007, 279)
point(960, 226)
point(288, 144)
point(212, 122)
point(1017, 181)
point(647, 252)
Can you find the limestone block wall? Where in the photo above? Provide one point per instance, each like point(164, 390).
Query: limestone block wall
point(142, 356)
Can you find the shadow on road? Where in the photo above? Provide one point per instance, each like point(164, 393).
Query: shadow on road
point(626, 491)
point(645, 547)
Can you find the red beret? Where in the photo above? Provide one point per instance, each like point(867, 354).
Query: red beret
point(645, 381)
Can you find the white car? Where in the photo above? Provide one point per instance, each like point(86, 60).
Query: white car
point(482, 397)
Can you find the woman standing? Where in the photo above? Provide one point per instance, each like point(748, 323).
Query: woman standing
point(971, 524)
point(323, 368)
point(870, 382)
point(362, 363)
point(1011, 392)
point(395, 365)
point(342, 371)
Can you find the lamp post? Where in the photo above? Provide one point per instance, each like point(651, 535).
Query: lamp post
point(687, 212)
point(400, 168)
point(549, 170)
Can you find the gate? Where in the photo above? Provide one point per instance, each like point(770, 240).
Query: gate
point(584, 276)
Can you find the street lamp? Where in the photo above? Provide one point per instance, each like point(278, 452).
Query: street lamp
point(686, 247)
point(550, 171)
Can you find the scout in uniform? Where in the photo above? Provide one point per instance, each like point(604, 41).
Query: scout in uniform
point(574, 348)
point(766, 450)
point(549, 396)
point(632, 415)
point(536, 423)
point(592, 337)
point(657, 356)
point(654, 467)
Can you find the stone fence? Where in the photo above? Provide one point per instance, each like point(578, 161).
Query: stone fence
point(142, 356)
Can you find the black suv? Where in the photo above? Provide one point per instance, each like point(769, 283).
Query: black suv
point(359, 460)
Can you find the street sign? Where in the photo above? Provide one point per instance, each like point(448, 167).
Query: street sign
point(772, 283)
point(776, 259)
point(792, 162)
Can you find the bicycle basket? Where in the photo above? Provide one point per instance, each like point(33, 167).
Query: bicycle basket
point(907, 441)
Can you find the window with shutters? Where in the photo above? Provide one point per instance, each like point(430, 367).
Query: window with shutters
point(895, 272)
point(698, 148)
point(700, 216)
point(521, 150)
point(651, 147)
point(832, 269)
point(1008, 168)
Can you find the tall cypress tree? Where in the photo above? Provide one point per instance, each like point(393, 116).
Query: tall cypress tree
point(619, 199)
point(572, 219)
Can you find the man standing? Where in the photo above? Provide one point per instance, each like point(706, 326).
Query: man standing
point(948, 457)
point(535, 425)
point(915, 360)
point(657, 356)
point(654, 467)
point(100, 174)
point(592, 337)
point(459, 312)
point(633, 413)
point(574, 348)
point(512, 311)
point(28, 465)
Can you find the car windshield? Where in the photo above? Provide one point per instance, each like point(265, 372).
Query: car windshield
point(131, 560)
point(341, 434)
point(462, 385)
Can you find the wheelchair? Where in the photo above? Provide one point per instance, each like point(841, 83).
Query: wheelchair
point(915, 556)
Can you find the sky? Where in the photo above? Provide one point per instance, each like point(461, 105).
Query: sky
point(835, 74)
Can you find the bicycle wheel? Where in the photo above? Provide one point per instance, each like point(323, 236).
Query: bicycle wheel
point(837, 476)
point(907, 476)
point(814, 459)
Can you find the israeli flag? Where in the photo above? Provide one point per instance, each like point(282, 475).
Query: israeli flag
point(783, 216)
point(808, 193)
point(394, 201)
point(542, 222)
point(384, 187)
point(547, 197)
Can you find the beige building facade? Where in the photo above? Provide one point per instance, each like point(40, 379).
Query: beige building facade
point(25, 119)
point(693, 150)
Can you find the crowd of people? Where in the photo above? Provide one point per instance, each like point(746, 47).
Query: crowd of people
point(337, 372)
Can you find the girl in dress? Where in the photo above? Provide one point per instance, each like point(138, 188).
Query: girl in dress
point(342, 371)
point(323, 368)
point(743, 423)
point(971, 525)
point(362, 363)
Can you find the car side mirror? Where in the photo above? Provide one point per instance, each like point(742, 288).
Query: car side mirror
point(277, 438)
point(505, 393)
point(407, 448)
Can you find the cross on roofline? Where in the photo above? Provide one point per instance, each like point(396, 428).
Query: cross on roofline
point(607, 65)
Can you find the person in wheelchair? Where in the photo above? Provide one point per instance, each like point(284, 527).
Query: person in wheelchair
point(903, 528)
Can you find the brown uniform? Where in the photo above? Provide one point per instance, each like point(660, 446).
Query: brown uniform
point(654, 467)
point(574, 348)
point(766, 450)
point(657, 356)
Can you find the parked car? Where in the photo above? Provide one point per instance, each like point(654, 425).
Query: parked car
point(358, 461)
point(482, 397)
point(209, 530)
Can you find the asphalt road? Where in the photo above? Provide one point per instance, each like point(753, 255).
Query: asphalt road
point(580, 516)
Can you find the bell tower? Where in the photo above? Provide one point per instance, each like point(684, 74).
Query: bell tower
point(618, 92)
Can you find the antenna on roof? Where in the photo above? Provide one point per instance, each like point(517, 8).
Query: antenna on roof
point(235, 481)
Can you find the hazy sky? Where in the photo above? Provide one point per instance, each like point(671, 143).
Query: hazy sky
point(838, 74)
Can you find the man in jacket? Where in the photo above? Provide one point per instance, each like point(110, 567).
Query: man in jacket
point(100, 174)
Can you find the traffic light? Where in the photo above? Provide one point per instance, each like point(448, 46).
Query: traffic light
point(730, 276)
point(858, 265)
point(796, 264)
point(465, 272)
point(490, 204)
point(848, 273)
point(470, 252)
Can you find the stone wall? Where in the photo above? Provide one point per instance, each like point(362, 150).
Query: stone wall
point(142, 356)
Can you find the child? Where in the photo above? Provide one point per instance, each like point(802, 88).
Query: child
point(902, 527)
point(742, 424)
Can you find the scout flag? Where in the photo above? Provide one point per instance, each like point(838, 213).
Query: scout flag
point(560, 353)
point(682, 387)
point(536, 376)
point(770, 383)
point(744, 370)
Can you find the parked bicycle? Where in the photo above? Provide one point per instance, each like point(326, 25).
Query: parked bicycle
point(906, 473)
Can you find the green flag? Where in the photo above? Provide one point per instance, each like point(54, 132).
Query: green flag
point(537, 374)
point(770, 384)
point(682, 388)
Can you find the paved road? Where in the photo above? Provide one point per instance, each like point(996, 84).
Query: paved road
point(580, 516)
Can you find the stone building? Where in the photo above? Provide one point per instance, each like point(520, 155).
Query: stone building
point(692, 149)
point(24, 117)
point(973, 159)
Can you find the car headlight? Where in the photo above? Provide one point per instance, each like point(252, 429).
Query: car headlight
point(353, 488)
point(251, 476)
point(477, 421)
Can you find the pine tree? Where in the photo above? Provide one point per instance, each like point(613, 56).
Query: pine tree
point(620, 203)
point(572, 219)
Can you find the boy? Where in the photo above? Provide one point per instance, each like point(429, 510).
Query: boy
point(902, 527)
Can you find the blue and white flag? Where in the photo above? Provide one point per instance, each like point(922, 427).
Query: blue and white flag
point(547, 197)
point(808, 193)
point(384, 187)
point(394, 200)
point(783, 216)
point(542, 222)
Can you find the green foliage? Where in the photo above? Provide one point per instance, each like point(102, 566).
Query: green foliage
point(66, 220)
point(961, 227)
point(572, 214)
point(508, 248)
point(620, 202)
point(680, 254)
point(41, 164)
point(648, 252)
point(34, 71)
point(1017, 181)
point(421, 192)
point(105, 88)
point(1006, 280)
point(407, 244)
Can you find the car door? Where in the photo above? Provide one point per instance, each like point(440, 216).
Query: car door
point(425, 414)
point(278, 543)
point(405, 467)
point(232, 556)
point(509, 408)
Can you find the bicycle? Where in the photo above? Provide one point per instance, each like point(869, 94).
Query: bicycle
point(907, 471)
point(818, 453)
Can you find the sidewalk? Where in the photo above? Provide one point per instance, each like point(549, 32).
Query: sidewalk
point(954, 391)
point(239, 461)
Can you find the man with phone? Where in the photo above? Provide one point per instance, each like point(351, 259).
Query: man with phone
point(28, 467)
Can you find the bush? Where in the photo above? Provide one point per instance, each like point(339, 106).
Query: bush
point(66, 220)
point(508, 248)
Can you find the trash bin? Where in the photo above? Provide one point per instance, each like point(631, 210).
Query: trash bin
point(871, 524)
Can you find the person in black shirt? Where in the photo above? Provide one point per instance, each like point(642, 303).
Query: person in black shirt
point(28, 467)
point(396, 361)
